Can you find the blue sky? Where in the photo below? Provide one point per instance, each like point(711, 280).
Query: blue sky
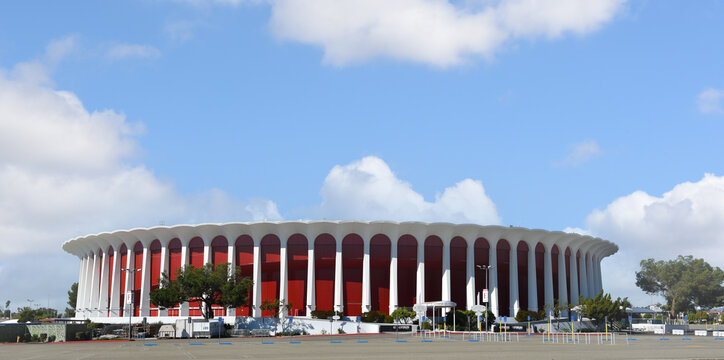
point(236, 110)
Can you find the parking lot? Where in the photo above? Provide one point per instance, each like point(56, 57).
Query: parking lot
point(376, 347)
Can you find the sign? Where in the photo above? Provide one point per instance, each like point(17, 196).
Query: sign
point(290, 319)
point(418, 308)
point(505, 319)
point(479, 308)
point(336, 317)
point(529, 318)
point(686, 318)
point(129, 298)
point(630, 320)
point(423, 318)
point(485, 296)
point(220, 320)
point(359, 319)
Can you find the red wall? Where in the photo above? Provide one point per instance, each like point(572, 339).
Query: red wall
point(297, 274)
point(196, 250)
point(482, 257)
point(523, 275)
point(122, 292)
point(219, 250)
point(138, 276)
point(503, 257)
point(269, 269)
point(245, 260)
point(155, 270)
point(433, 269)
point(554, 265)
point(324, 257)
point(352, 254)
point(380, 273)
point(540, 285)
point(406, 270)
point(458, 272)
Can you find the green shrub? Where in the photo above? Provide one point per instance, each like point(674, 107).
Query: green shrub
point(51, 338)
point(340, 331)
point(81, 335)
point(43, 337)
point(388, 319)
point(325, 314)
point(35, 338)
point(26, 337)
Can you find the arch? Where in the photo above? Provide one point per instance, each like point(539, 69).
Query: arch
point(196, 252)
point(352, 256)
point(539, 274)
point(458, 271)
point(503, 267)
point(155, 251)
point(522, 253)
point(244, 257)
point(481, 249)
point(380, 246)
point(297, 274)
point(174, 255)
point(433, 268)
point(137, 276)
point(122, 274)
point(554, 268)
point(270, 269)
point(406, 270)
point(219, 250)
point(325, 249)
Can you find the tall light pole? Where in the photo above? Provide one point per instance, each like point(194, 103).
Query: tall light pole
point(486, 268)
point(130, 311)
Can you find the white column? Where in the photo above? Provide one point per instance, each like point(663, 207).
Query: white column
point(393, 275)
point(420, 271)
point(513, 288)
point(115, 284)
point(231, 259)
point(562, 286)
point(207, 254)
point(597, 271)
point(104, 276)
point(589, 276)
point(548, 278)
point(574, 277)
point(184, 307)
point(164, 269)
point(532, 280)
point(81, 285)
point(338, 276)
point(283, 273)
point(95, 285)
point(127, 309)
point(256, 303)
point(585, 292)
point(445, 272)
point(311, 279)
point(366, 296)
point(144, 300)
point(470, 273)
point(493, 278)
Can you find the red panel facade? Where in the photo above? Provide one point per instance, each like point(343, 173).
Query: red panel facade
point(503, 270)
point(244, 249)
point(433, 269)
point(523, 275)
point(352, 254)
point(155, 270)
point(406, 270)
point(554, 265)
point(124, 262)
point(137, 276)
point(270, 267)
point(568, 273)
point(539, 255)
point(380, 273)
point(325, 250)
point(482, 258)
point(458, 272)
point(196, 252)
point(297, 274)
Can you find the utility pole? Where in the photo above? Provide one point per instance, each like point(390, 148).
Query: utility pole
point(129, 301)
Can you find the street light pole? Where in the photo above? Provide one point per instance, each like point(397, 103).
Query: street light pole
point(130, 311)
point(486, 267)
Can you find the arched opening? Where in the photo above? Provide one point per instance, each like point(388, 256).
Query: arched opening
point(325, 250)
point(196, 255)
point(458, 271)
point(539, 275)
point(352, 255)
point(406, 270)
point(109, 276)
point(270, 268)
point(433, 269)
point(137, 276)
point(581, 291)
point(554, 266)
point(297, 274)
point(522, 275)
point(122, 293)
point(380, 273)
point(567, 256)
point(99, 254)
point(219, 250)
point(503, 257)
point(155, 250)
point(244, 252)
point(174, 263)
point(482, 259)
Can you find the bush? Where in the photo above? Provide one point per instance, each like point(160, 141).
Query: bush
point(522, 315)
point(43, 337)
point(325, 314)
point(26, 337)
point(340, 331)
point(389, 319)
point(81, 335)
point(35, 338)
point(51, 338)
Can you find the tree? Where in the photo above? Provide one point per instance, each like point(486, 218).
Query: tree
point(684, 282)
point(206, 286)
point(601, 307)
point(404, 314)
point(72, 299)
point(26, 314)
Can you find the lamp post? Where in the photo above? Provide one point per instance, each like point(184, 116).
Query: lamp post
point(130, 311)
point(486, 268)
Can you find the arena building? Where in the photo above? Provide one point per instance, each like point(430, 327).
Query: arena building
point(347, 266)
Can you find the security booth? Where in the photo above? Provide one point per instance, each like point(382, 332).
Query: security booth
point(444, 307)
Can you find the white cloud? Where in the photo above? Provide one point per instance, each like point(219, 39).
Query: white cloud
point(125, 51)
point(688, 220)
point(435, 32)
point(711, 101)
point(580, 154)
point(367, 189)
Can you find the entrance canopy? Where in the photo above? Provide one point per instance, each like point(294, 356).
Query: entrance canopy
point(436, 304)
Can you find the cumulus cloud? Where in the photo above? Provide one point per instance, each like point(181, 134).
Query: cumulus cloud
point(368, 189)
point(435, 32)
point(125, 51)
point(580, 154)
point(688, 220)
point(711, 101)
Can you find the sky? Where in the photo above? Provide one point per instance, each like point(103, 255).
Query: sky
point(602, 117)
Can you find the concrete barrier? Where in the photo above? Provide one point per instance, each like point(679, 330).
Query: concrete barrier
point(659, 331)
point(677, 332)
point(700, 333)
